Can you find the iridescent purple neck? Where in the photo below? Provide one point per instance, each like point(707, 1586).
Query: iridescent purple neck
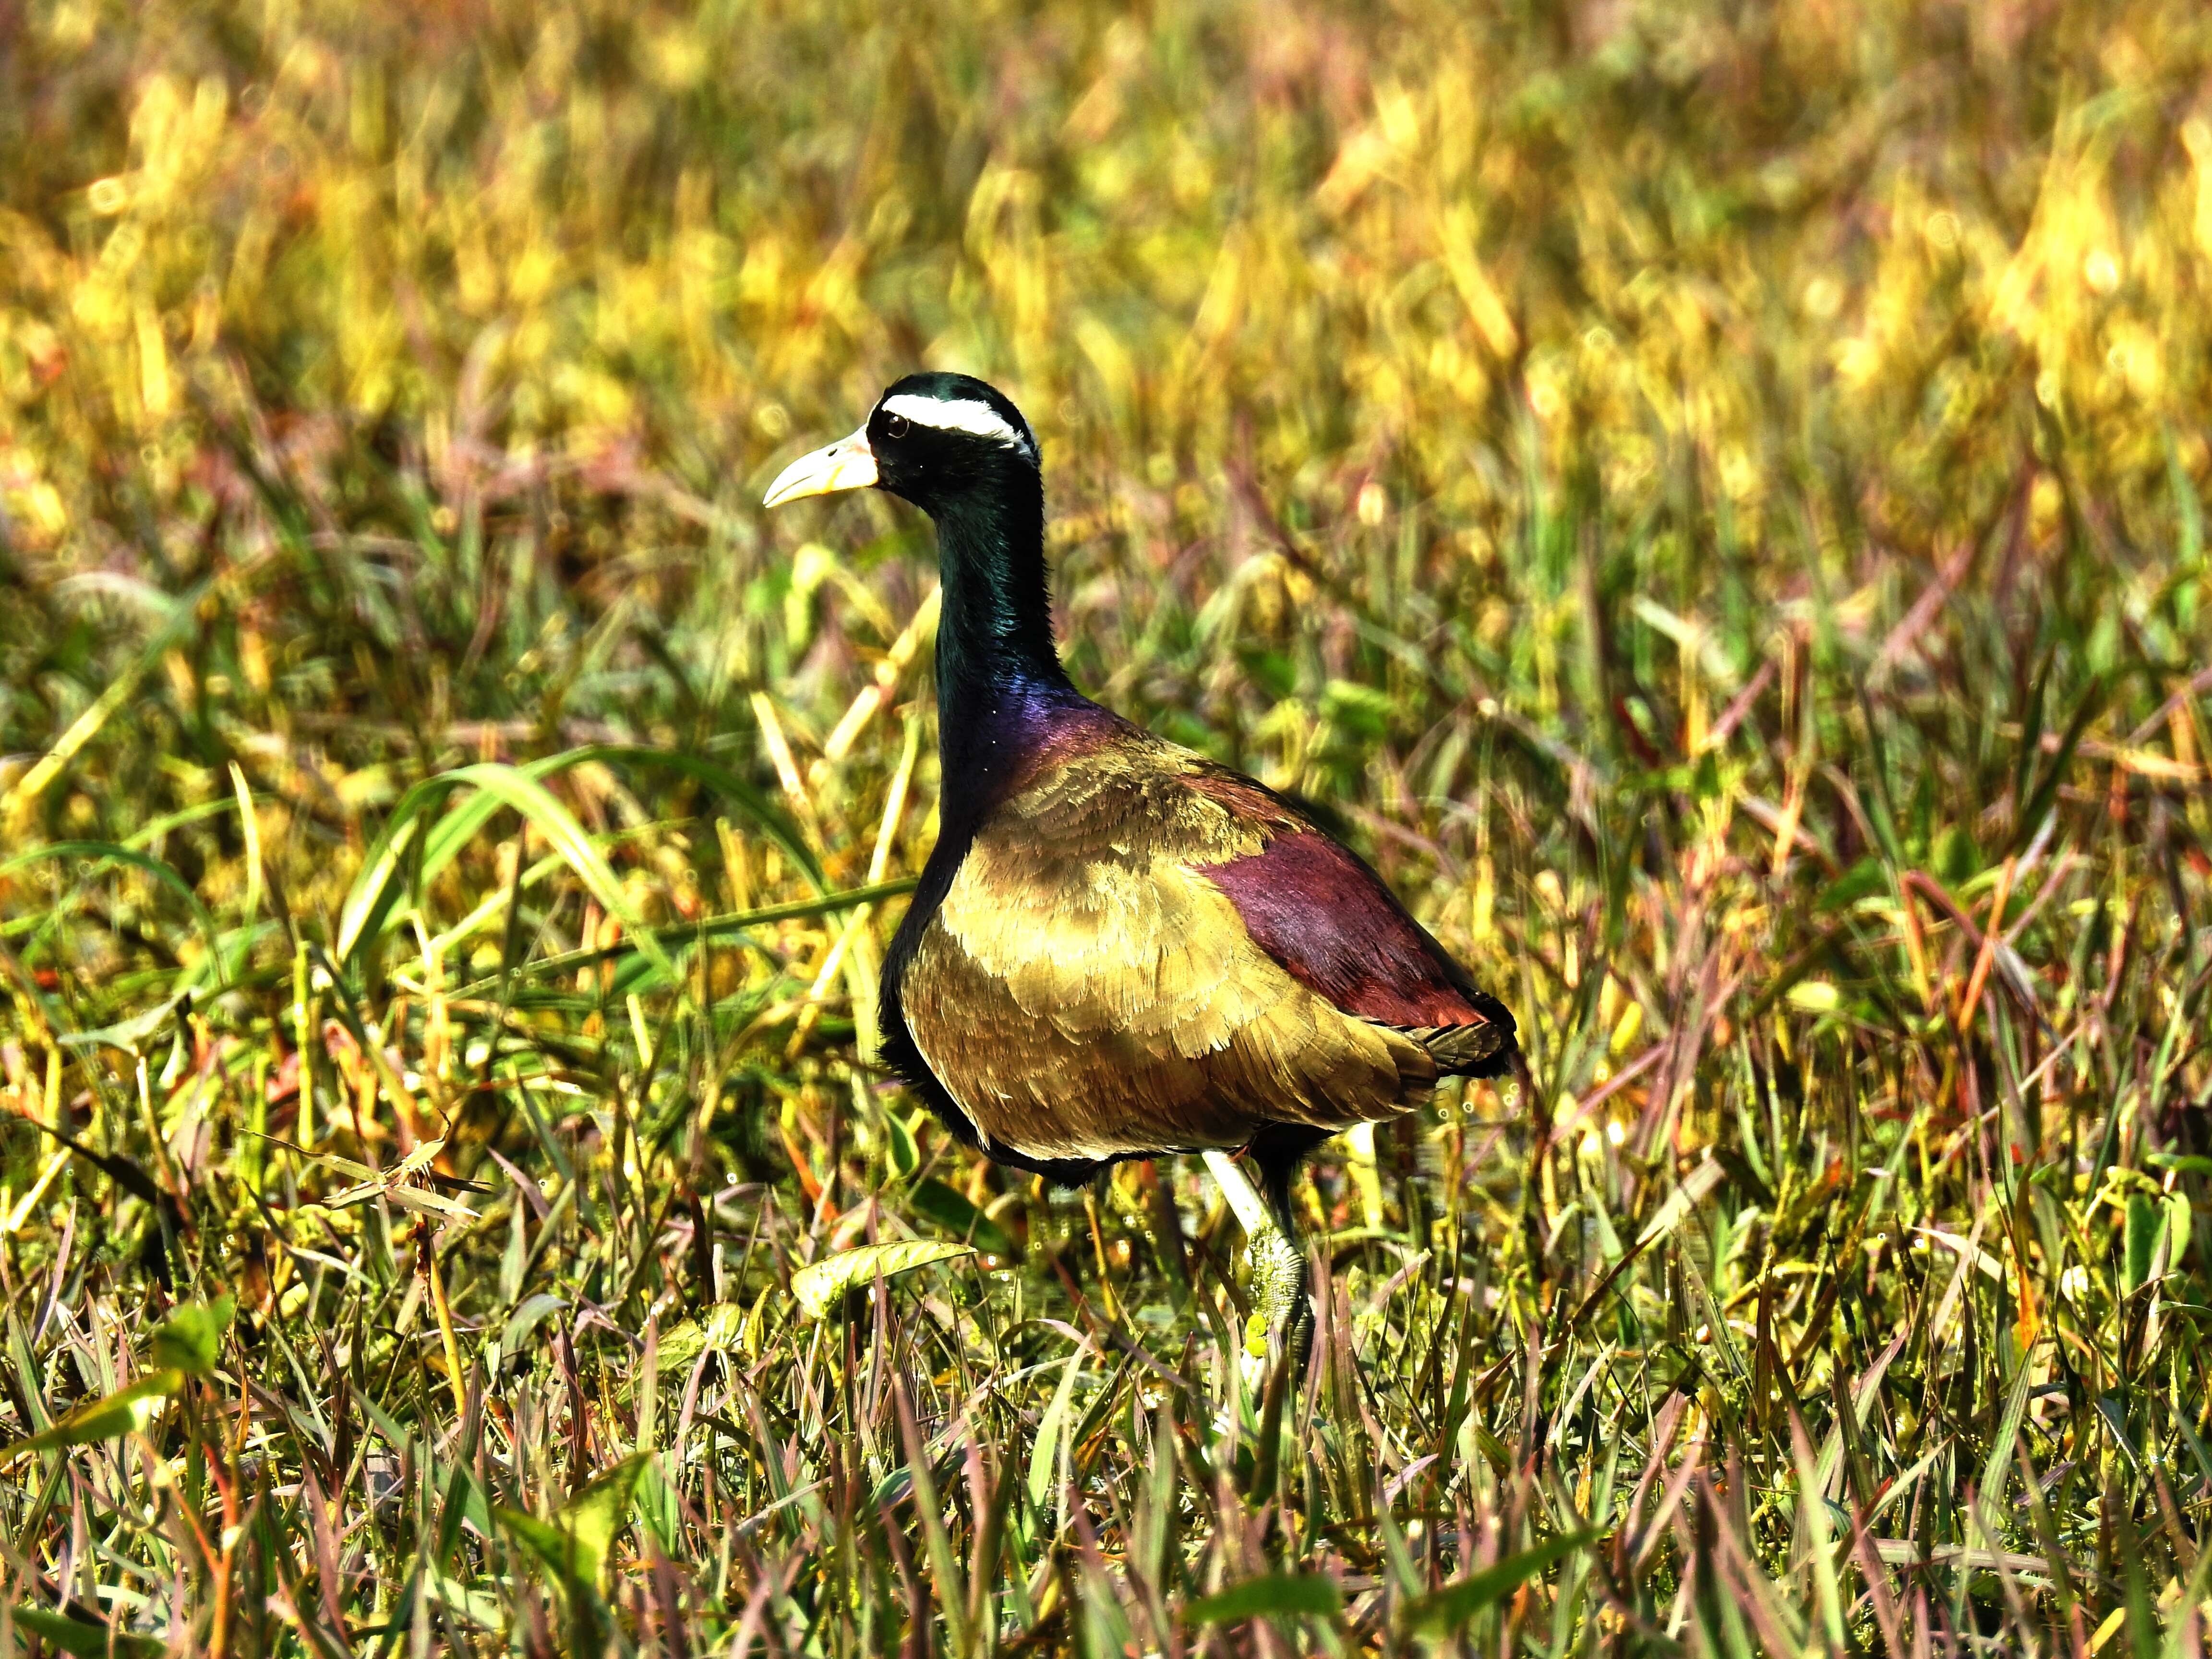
point(992, 737)
point(1001, 694)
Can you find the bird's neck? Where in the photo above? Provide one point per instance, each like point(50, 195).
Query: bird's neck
point(999, 675)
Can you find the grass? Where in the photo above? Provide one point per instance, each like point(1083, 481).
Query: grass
point(1712, 497)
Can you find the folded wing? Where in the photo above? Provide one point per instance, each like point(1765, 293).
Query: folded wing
point(1314, 906)
point(1141, 952)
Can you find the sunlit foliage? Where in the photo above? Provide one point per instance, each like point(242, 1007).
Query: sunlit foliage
point(1710, 497)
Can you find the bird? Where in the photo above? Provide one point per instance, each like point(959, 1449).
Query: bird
point(1119, 948)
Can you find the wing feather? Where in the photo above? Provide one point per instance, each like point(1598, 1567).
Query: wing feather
point(1086, 988)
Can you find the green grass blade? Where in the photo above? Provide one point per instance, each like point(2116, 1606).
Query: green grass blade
point(1446, 1610)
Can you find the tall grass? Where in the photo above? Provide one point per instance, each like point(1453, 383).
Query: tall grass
point(1712, 496)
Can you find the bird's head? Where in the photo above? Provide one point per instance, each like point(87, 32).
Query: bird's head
point(939, 440)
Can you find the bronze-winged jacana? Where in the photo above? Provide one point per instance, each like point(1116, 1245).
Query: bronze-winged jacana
point(1119, 948)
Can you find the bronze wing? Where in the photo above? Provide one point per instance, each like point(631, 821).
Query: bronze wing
point(1089, 989)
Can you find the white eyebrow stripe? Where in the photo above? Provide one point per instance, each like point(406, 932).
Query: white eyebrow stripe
point(969, 415)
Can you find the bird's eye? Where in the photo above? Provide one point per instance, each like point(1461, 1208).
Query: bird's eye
point(895, 425)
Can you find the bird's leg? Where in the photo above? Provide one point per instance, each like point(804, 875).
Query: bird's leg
point(1278, 1277)
point(1277, 1158)
point(1278, 1265)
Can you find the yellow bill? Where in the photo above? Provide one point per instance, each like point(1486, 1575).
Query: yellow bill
point(848, 464)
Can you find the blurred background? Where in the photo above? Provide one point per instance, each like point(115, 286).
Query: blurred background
point(1615, 307)
point(1709, 495)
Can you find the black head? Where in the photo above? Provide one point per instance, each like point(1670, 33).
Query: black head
point(961, 452)
point(941, 441)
